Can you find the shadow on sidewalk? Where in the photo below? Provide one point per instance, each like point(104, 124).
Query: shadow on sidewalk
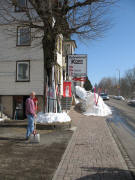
point(77, 108)
point(12, 139)
point(99, 173)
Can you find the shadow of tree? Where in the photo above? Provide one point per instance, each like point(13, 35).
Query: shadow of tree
point(77, 108)
point(98, 173)
point(13, 126)
point(12, 139)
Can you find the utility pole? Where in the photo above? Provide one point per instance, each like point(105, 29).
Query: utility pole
point(119, 81)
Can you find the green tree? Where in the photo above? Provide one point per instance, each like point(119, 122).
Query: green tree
point(87, 85)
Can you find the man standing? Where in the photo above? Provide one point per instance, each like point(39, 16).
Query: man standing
point(31, 114)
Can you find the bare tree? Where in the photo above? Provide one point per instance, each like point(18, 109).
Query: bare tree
point(86, 18)
point(127, 84)
point(130, 79)
point(108, 85)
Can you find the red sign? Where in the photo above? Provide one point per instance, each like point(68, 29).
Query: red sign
point(80, 79)
point(67, 89)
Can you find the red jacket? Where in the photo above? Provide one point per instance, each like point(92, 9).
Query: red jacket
point(35, 103)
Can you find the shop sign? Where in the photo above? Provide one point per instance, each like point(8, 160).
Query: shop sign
point(77, 65)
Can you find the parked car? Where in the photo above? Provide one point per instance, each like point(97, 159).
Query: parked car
point(131, 102)
point(104, 96)
point(119, 98)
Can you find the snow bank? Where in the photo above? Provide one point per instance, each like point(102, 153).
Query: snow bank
point(52, 117)
point(81, 92)
point(1, 119)
point(89, 106)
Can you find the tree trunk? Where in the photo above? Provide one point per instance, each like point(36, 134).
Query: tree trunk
point(49, 47)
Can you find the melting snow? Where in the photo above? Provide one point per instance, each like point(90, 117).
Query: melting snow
point(89, 106)
point(1, 119)
point(52, 117)
point(81, 92)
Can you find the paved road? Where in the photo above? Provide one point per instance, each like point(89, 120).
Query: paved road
point(123, 124)
point(124, 109)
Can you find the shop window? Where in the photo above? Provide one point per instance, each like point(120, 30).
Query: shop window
point(23, 36)
point(23, 71)
point(20, 5)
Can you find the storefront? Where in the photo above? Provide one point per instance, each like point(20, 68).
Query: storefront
point(14, 106)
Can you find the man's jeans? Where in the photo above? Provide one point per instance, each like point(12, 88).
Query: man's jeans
point(30, 127)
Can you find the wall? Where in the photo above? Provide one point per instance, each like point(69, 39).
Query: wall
point(7, 102)
point(9, 54)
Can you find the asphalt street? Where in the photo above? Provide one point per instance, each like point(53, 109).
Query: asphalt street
point(122, 122)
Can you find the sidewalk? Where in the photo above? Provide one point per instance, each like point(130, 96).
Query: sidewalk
point(92, 153)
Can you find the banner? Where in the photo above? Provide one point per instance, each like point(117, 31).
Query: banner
point(79, 79)
point(67, 89)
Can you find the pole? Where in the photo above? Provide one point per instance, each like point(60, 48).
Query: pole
point(119, 80)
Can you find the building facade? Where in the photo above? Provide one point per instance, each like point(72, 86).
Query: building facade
point(22, 65)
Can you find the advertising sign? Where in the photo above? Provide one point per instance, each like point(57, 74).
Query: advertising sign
point(67, 89)
point(77, 65)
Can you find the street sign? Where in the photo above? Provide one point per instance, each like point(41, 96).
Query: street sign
point(77, 65)
point(79, 79)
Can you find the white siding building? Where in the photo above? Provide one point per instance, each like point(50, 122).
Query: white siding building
point(21, 65)
point(21, 70)
point(68, 49)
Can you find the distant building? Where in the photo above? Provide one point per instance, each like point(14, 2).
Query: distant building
point(69, 47)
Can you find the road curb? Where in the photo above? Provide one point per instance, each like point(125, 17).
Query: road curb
point(64, 155)
point(39, 126)
point(125, 156)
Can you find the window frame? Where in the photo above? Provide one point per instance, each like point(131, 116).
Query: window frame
point(23, 61)
point(18, 35)
point(21, 9)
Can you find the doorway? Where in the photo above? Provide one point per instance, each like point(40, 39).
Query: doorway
point(19, 107)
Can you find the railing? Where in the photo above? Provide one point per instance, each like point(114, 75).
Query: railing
point(53, 105)
point(66, 103)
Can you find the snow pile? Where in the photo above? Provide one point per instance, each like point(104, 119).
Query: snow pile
point(1, 119)
point(89, 106)
point(52, 117)
point(81, 92)
point(76, 101)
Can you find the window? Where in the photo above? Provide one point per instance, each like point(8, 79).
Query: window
point(20, 5)
point(23, 36)
point(23, 71)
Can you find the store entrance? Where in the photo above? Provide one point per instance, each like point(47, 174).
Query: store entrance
point(19, 107)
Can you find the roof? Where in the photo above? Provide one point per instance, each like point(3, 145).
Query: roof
point(71, 41)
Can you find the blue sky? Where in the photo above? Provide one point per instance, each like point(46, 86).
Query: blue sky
point(117, 49)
